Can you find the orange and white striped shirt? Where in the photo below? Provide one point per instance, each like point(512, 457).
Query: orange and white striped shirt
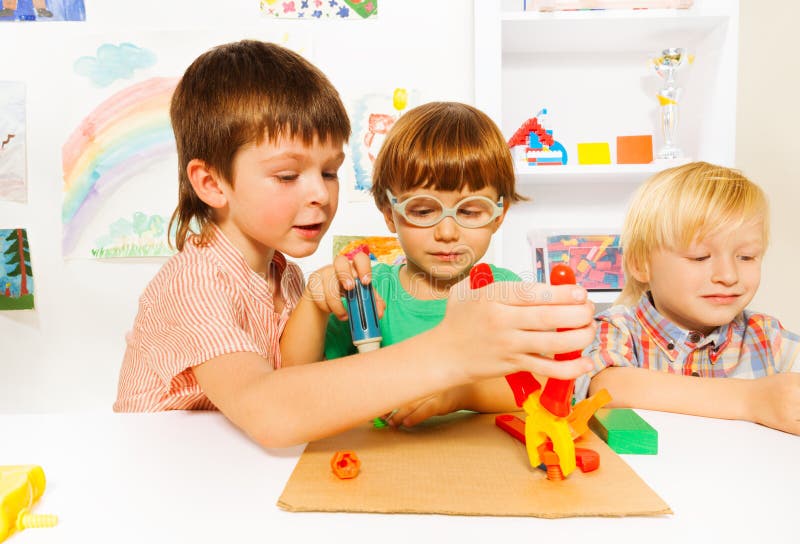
point(204, 302)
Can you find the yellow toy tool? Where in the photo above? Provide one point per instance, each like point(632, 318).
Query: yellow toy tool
point(20, 487)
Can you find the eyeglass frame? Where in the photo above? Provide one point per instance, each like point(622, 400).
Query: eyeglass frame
point(447, 211)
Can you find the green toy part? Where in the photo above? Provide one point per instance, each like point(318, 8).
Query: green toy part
point(625, 431)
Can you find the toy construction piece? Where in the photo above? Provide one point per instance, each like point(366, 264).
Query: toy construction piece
point(20, 487)
point(547, 411)
point(345, 464)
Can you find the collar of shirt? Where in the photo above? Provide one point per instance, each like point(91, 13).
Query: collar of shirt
point(677, 342)
point(232, 259)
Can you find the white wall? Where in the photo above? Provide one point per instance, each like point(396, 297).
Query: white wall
point(65, 355)
point(768, 141)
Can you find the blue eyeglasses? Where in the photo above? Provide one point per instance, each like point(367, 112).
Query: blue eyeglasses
point(471, 212)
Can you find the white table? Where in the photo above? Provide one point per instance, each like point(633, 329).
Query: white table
point(193, 477)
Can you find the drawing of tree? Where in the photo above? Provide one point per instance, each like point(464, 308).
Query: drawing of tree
point(18, 256)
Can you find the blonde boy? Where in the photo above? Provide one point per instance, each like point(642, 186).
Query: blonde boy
point(693, 243)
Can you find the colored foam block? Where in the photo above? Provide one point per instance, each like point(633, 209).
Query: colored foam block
point(624, 431)
point(634, 149)
point(594, 153)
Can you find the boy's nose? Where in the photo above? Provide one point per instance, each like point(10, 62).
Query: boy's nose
point(318, 192)
point(724, 271)
point(446, 229)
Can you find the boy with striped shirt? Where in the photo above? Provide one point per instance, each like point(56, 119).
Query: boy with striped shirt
point(260, 135)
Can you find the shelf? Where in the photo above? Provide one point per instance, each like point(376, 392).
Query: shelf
point(647, 31)
point(591, 173)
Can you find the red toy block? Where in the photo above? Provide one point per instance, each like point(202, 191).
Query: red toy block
point(512, 425)
point(634, 149)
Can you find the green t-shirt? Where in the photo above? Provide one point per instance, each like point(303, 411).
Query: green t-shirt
point(404, 317)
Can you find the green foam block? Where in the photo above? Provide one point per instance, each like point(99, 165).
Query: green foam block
point(624, 431)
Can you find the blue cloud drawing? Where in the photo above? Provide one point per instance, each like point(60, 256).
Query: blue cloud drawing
point(114, 62)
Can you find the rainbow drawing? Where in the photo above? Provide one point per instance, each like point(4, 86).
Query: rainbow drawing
point(126, 133)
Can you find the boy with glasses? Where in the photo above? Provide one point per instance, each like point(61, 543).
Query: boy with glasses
point(443, 180)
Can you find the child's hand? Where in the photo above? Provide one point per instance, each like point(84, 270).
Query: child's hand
point(776, 402)
point(421, 409)
point(325, 286)
point(508, 326)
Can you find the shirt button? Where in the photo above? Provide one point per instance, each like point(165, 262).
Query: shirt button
point(670, 346)
point(695, 337)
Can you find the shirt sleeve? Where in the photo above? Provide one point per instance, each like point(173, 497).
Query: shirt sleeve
point(338, 340)
point(612, 346)
point(786, 349)
point(196, 318)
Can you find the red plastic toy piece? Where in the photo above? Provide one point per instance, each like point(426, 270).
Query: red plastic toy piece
point(345, 464)
point(522, 383)
point(512, 425)
point(480, 276)
point(557, 393)
point(586, 459)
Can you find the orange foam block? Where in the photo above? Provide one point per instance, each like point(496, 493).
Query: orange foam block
point(634, 149)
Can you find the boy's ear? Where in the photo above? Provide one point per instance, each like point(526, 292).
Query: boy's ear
point(499, 221)
point(206, 183)
point(389, 218)
point(640, 272)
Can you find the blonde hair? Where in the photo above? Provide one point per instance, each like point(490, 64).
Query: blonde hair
point(680, 205)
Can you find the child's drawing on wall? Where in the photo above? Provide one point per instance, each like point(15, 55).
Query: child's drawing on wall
point(16, 273)
point(142, 235)
point(320, 9)
point(12, 142)
point(110, 162)
point(42, 10)
point(373, 115)
point(381, 249)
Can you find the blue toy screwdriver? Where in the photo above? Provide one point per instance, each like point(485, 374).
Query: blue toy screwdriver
point(364, 325)
point(363, 318)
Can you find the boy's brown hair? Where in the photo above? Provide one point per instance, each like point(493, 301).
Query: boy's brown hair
point(447, 146)
point(241, 93)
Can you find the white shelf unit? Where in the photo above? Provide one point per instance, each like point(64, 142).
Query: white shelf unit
point(592, 71)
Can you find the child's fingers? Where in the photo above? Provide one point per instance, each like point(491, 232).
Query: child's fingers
point(550, 341)
point(411, 414)
point(524, 293)
point(335, 305)
point(548, 318)
point(380, 304)
point(344, 273)
point(363, 267)
point(562, 370)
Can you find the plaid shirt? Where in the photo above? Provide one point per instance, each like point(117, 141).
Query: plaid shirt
point(753, 345)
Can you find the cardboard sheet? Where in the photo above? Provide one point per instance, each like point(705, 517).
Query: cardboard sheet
point(460, 465)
